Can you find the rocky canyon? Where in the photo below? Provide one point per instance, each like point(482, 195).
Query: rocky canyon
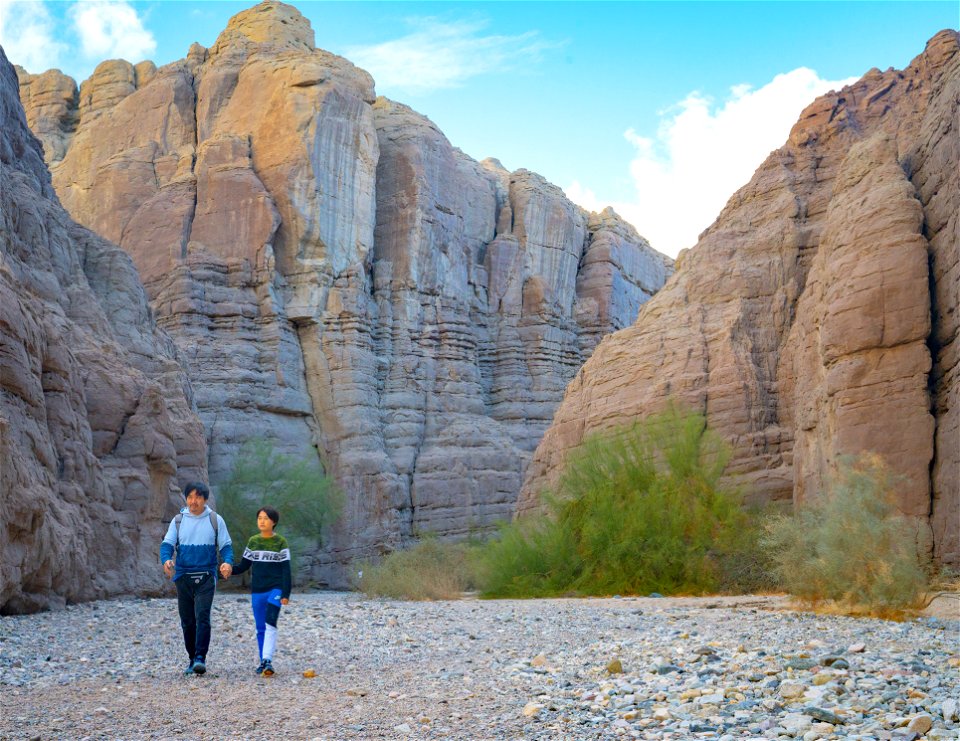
point(817, 317)
point(336, 276)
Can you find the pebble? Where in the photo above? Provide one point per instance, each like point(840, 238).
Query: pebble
point(740, 668)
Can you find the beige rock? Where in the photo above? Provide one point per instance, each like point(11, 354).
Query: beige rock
point(800, 324)
point(342, 280)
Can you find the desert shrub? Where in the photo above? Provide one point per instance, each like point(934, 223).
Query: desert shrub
point(431, 569)
point(850, 544)
point(637, 510)
point(306, 498)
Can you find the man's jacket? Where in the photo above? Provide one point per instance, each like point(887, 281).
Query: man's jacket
point(196, 550)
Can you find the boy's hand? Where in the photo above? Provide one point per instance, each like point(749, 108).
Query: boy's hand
point(284, 601)
point(168, 568)
point(225, 570)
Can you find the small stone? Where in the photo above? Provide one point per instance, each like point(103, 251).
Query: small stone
point(824, 715)
point(856, 648)
point(791, 690)
point(801, 664)
point(403, 728)
point(531, 709)
point(949, 710)
point(309, 674)
point(920, 724)
point(615, 667)
point(821, 679)
point(661, 714)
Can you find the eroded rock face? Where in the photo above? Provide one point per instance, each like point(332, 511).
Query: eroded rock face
point(818, 315)
point(338, 277)
point(96, 427)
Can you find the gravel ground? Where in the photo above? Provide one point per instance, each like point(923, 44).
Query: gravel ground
point(726, 668)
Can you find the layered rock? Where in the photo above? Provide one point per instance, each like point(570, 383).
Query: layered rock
point(96, 427)
point(818, 315)
point(337, 276)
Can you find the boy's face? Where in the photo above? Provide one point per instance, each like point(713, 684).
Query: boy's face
point(195, 503)
point(264, 523)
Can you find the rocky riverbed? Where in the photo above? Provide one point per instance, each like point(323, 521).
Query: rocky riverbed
point(712, 668)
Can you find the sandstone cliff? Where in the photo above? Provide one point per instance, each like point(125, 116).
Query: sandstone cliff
point(337, 276)
point(818, 315)
point(96, 427)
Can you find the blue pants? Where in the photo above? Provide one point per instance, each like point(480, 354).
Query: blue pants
point(266, 610)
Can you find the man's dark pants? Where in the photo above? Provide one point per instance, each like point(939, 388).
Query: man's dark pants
point(194, 601)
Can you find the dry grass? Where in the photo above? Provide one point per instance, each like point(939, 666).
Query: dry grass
point(849, 550)
point(430, 570)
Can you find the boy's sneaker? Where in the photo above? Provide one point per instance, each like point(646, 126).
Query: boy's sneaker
point(198, 666)
point(268, 670)
point(189, 669)
point(260, 668)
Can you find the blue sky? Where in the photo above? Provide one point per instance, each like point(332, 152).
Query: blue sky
point(661, 109)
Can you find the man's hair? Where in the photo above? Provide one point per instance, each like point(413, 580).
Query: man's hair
point(271, 513)
point(196, 486)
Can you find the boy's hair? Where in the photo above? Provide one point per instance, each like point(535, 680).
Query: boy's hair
point(196, 486)
point(271, 513)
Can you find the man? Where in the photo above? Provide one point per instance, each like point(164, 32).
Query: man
point(195, 535)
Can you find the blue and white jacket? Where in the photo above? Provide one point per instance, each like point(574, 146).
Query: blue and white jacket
point(197, 550)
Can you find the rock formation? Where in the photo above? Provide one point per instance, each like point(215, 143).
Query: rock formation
point(818, 315)
point(337, 276)
point(96, 427)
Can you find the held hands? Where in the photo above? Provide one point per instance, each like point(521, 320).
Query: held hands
point(225, 570)
point(168, 568)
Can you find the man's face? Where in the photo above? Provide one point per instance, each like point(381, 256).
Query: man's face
point(195, 503)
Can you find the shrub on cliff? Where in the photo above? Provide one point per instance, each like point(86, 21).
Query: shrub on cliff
point(306, 498)
point(850, 545)
point(637, 510)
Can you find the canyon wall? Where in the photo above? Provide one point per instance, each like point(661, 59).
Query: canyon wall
point(817, 317)
point(97, 428)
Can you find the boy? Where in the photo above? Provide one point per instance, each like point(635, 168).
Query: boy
point(269, 557)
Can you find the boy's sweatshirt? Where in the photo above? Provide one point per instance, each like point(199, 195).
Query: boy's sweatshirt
point(196, 551)
point(270, 559)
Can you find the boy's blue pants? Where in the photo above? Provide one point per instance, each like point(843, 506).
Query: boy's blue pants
point(266, 610)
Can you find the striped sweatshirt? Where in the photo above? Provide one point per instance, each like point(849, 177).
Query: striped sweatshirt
point(196, 550)
point(270, 560)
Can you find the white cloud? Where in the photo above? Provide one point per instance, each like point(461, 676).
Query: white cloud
point(444, 54)
point(111, 30)
point(703, 153)
point(28, 35)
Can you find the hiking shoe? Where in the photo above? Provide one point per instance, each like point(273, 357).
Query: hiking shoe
point(268, 670)
point(189, 669)
point(198, 666)
point(260, 668)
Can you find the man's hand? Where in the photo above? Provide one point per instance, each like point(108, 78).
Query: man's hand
point(168, 568)
point(225, 570)
point(284, 601)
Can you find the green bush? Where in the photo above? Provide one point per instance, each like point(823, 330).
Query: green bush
point(306, 498)
point(637, 510)
point(429, 570)
point(850, 545)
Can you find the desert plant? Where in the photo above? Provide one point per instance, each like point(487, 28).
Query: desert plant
point(431, 569)
point(850, 544)
point(307, 499)
point(638, 509)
